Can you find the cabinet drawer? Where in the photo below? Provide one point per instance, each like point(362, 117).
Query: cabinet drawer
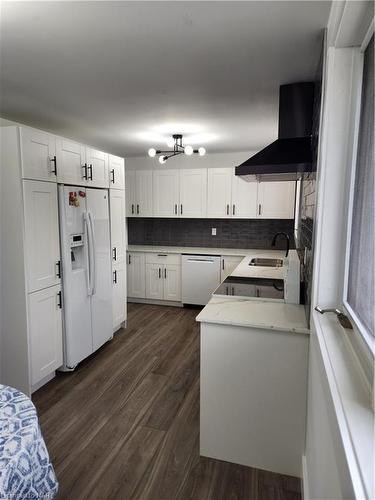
point(163, 258)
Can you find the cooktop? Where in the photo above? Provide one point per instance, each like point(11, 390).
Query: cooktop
point(267, 288)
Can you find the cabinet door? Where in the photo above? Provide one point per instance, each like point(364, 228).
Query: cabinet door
point(228, 265)
point(71, 162)
point(130, 189)
point(172, 282)
point(41, 235)
point(219, 192)
point(244, 198)
point(38, 154)
point(118, 228)
point(136, 275)
point(276, 200)
point(116, 167)
point(143, 193)
point(166, 193)
point(119, 295)
point(193, 193)
point(97, 168)
point(154, 281)
point(45, 331)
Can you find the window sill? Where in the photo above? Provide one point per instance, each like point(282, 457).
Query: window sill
point(352, 399)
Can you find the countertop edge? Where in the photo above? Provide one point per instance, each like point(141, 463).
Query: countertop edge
point(301, 331)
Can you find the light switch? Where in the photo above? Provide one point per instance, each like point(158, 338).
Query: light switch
point(213, 231)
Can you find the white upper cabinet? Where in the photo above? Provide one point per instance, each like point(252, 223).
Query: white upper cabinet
point(38, 150)
point(244, 198)
point(45, 330)
point(41, 235)
point(72, 167)
point(118, 227)
point(97, 168)
point(139, 193)
point(166, 193)
point(276, 200)
point(116, 172)
point(219, 192)
point(193, 193)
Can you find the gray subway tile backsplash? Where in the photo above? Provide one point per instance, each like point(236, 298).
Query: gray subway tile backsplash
point(230, 233)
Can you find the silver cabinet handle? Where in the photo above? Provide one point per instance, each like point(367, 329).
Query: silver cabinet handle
point(137, 209)
point(165, 273)
point(159, 273)
point(84, 168)
point(181, 209)
point(129, 259)
point(132, 208)
point(259, 209)
point(53, 160)
point(175, 209)
point(112, 176)
point(227, 209)
point(89, 168)
point(234, 209)
point(162, 255)
point(223, 264)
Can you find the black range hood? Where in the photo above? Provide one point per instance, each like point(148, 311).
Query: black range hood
point(291, 154)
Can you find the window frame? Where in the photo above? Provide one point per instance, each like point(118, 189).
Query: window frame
point(366, 340)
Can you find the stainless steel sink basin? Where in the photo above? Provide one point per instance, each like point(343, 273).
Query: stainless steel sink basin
point(264, 262)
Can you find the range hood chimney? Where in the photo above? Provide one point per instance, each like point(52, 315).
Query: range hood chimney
point(291, 154)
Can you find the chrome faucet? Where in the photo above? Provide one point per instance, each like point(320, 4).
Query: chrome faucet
point(287, 241)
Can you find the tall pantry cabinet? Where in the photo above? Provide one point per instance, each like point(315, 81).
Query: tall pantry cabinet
point(31, 315)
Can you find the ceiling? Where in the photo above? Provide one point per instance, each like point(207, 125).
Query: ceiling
point(123, 76)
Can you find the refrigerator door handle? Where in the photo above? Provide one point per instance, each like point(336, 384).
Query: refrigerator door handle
point(88, 259)
point(93, 253)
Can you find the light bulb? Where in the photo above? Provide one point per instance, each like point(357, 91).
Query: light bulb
point(188, 150)
point(201, 151)
point(170, 142)
point(151, 152)
point(162, 159)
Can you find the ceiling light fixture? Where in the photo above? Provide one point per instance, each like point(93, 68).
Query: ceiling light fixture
point(178, 149)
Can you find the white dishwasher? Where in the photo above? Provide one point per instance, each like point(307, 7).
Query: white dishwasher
point(200, 278)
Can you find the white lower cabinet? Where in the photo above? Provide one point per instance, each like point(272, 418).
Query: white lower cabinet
point(154, 281)
point(45, 330)
point(163, 277)
point(228, 265)
point(136, 274)
point(119, 295)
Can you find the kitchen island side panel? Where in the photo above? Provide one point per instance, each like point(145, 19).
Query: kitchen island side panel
point(253, 396)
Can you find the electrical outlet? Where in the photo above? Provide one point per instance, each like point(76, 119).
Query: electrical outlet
point(213, 231)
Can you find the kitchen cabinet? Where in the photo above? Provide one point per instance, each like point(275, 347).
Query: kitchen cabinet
point(219, 194)
point(118, 225)
point(163, 282)
point(42, 248)
point(45, 330)
point(97, 168)
point(244, 198)
point(276, 200)
point(228, 265)
point(119, 294)
point(116, 166)
point(139, 193)
point(38, 150)
point(193, 193)
point(71, 162)
point(154, 281)
point(166, 199)
point(136, 275)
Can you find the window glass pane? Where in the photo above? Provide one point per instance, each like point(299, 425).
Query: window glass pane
point(362, 245)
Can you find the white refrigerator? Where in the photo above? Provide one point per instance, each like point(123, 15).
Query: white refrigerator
point(86, 271)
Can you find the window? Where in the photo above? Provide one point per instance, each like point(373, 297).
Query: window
point(359, 293)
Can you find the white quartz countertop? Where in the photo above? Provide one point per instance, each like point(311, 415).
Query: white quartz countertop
point(190, 250)
point(269, 315)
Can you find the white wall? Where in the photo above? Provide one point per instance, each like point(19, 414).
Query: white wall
point(210, 160)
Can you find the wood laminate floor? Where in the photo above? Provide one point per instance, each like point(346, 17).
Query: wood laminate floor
point(125, 424)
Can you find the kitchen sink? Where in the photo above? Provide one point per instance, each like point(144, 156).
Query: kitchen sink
point(264, 262)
